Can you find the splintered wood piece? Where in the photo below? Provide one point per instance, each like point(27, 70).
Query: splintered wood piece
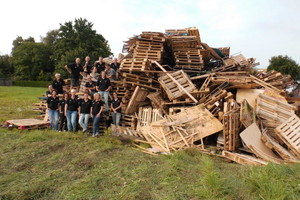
point(247, 114)
point(289, 132)
point(251, 136)
point(243, 158)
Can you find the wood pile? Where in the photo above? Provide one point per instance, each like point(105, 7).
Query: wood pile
point(184, 93)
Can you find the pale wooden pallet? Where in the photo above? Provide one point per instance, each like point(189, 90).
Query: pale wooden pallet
point(289, 132)
point(172, 89)
point(147, 115)
point(27, 123)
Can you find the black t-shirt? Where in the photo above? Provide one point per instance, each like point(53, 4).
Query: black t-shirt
point(96, 106)
point(103, 84)
point(53, 103)
point(116, 103)
point(58, 85)
point(115, 66)
point(62, 104)
point(75, 70)
point(85, 106)
point(88, 67)
point(72, 104)
point(100, 67)
point(90, 85)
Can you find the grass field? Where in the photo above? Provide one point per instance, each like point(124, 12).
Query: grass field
point(43, 164)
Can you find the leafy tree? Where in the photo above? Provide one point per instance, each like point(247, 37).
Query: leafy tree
point(285, 65)
point(19, 40)
point(77, 39)
point(30, 58)
point(6, 68)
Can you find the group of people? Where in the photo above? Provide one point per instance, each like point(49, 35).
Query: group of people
point(94, 103)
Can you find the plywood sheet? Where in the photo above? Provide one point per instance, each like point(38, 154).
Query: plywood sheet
point(249, 94)
point(251, 136)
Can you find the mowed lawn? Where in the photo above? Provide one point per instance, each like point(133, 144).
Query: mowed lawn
point(42, 164)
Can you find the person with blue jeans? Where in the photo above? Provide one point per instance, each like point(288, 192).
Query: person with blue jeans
point(115, 106)
point(96, 111)
point(103, 87)
point(71, 111)
point(52, 107)
point(84, 111)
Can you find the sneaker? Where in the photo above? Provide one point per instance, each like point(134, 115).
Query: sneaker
point(97, 134)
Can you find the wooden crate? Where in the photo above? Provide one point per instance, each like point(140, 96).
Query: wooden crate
point(289, 132)
point(172, 89)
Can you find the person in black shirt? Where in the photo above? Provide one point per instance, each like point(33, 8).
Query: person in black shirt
point(96, 111)
point(49, 92)
point(100, 65)
point(91, 86)
point(58, 84)
point(71, 111)
point(75, 69)
point(115, 107)
point(52, 107)
point(84, 111)
point(115, 65)
point(62, 117)
point(103, 87)
point(87, 65)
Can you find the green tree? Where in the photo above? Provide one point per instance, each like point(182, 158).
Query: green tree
point(78, 39)
point(30, 58)
point(285, 65)
point(6, 68)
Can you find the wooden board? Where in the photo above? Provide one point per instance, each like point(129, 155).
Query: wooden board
point(251, 136)
point(289, 132)
point(243, 158)
point(139, 95)
point(249, 94)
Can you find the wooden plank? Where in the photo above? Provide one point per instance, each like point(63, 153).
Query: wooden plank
point(139, 95)
point(252, 138)
point(243, 159)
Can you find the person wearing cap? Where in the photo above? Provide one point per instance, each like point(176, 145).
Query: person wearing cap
point(96, 112)
point(84, 111)
point(52, 107)
point(58, 84)
point(103, 87)
point(71, 111)
point(110, 72)
point(75, 69)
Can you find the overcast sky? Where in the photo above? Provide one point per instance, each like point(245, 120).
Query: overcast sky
point(256, 28)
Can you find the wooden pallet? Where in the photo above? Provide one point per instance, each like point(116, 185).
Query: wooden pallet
point(152, 36)
point(139, 95)
point(171, 87)
point(243, 159)
point(289, 132)
point(147, 115)
point(135, 64)
point(27, 124)
point(128, 121)
point(272, 109)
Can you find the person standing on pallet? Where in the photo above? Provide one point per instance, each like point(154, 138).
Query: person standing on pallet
point(100, 65)
point(115, 106)
point(115, 65)
point(96, 113)
point(84, 111)
point(61, 109)
point(91, 86)
point(87, 66)
point(103, 87)
point(75, 69)
point(52, 107)
point(71, 111)
point(58, 84)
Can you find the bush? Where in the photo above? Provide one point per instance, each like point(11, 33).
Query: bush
point(31, 83)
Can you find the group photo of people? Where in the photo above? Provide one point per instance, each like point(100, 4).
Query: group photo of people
point(69, 110)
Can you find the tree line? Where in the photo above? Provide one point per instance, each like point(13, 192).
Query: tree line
point(31, 60)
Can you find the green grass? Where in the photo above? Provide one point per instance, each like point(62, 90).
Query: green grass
point(43, 164)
